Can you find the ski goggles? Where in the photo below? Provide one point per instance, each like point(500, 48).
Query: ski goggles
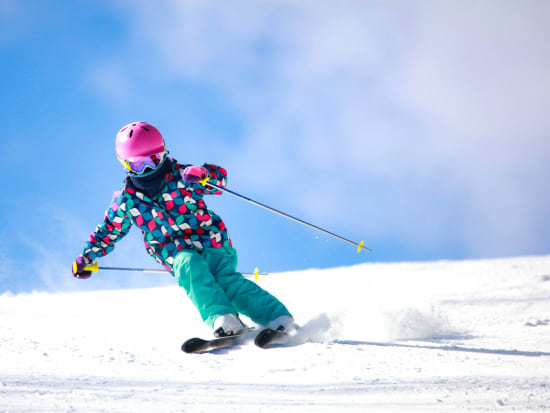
point(141, 164)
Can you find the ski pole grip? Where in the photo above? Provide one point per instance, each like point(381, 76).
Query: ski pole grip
point(92, 267)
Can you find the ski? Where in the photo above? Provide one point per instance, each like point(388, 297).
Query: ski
point(200, 345)
point(266, 338)
point(269, 338)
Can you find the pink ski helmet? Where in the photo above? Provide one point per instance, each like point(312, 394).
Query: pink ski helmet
point(140, 146)
point(137, 140)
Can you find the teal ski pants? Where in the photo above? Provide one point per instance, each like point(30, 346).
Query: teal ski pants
point(210, 278)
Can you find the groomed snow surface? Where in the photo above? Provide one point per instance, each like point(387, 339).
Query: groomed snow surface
point(438, 336)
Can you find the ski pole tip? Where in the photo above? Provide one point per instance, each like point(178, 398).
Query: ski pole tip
point(361, 246)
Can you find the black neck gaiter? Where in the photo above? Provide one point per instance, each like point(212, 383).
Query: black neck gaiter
point(150, 184)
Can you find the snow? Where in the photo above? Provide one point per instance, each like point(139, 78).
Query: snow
point(434, 336)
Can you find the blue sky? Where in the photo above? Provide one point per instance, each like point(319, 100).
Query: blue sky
point(420, 127)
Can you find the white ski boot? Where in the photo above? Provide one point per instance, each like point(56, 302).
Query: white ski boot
point(228, 325)
point(283, 323)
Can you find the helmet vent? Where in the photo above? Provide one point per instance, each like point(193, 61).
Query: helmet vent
point(131, 133)
point(143, 127)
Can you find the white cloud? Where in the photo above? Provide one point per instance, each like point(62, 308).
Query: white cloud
point(429, 117)
point(483, 83)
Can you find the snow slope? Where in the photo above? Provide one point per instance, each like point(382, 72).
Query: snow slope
point(439, 336)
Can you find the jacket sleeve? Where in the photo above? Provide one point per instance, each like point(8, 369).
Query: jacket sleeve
point(218, 176)
point(114, 227)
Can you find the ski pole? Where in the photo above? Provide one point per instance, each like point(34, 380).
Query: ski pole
point(95, 268)
point(359, 245)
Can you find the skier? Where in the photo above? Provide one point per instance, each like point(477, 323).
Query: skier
point(164, 199)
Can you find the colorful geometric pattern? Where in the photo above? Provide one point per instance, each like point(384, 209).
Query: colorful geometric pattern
point(176, 220)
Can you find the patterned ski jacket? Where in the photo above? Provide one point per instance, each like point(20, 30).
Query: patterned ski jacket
point(176, 220)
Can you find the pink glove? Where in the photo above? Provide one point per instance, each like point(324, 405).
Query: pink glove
point(194, 174)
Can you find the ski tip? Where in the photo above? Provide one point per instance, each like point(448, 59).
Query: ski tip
point(191, 345)
point(271, 338)
point(264, 337)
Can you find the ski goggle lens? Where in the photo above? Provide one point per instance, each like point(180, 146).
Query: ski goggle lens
point(138, 166)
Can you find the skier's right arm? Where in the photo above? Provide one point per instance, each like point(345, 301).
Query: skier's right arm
point(114, 227)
